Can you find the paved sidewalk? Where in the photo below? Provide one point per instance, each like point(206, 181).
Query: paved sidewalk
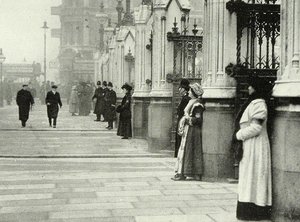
point(75, 136)
point(111, 189)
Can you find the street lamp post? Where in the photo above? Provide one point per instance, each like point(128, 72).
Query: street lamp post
point(2, 59)
point(45, 27)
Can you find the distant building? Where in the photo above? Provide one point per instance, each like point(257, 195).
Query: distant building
point(21, 72)
point(80, 35)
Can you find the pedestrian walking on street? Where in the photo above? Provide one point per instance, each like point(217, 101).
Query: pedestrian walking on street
point(24, 101)
point(105, 105)
point(184, 92)
point(99, 101)
point(189, 164)
point(255, 182)
point(52, 102)
point(73, 101)
point(124, 128)
point(110, 99)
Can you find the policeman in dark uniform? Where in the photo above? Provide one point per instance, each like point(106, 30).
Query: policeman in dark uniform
point(52, 102)
point(110, 99)
point(184, 92)
point(99, 98)
point(105, 105)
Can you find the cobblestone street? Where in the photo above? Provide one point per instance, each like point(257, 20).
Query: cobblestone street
point(82, 172)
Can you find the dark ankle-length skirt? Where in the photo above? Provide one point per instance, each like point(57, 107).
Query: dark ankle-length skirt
point(251, 211)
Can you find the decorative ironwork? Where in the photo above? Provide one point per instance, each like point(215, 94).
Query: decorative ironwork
point(187, 51)
point(187, 61)
point(259, 20)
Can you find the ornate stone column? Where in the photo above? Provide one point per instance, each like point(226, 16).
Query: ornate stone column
point(285, 140)
point(160, 108)
point(143, 69)
point(219, 91)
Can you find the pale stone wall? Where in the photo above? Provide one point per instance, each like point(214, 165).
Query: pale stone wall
point(285, 142)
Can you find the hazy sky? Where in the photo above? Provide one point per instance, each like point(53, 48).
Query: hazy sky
point(21, 35)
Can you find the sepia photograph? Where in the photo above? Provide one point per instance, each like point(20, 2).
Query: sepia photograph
point(149, 110)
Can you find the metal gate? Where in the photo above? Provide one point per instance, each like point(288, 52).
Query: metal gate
point(258, 29)
point(187, 62)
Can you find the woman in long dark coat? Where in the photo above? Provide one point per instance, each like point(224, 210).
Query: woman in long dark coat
point(189, 163)
point(124, 128)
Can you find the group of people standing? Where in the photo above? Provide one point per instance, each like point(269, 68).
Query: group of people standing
point(80, 99)
point(105, 99)
point(250, 140)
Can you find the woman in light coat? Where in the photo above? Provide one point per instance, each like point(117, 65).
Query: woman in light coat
point(73, 102)
point(189, 164)
point(255, 185)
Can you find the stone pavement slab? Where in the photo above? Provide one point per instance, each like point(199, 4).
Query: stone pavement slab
point(100, 193)
point(175, 218)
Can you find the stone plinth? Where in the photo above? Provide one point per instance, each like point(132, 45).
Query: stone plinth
point(217, 132)
point(140, 118)
point(160, 123)
point(285, 140)
point(286, 164)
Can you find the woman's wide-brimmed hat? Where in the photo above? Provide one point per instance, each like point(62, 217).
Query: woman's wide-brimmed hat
point(261, 85)
point(197, 89)
point(127, 87)
point(185, 83)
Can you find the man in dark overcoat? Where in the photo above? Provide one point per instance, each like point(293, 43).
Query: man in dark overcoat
point(105, 105)
point(99, 101)
point(110, 99)
point(184, 92)
point(52, 102)
point(24, 101)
